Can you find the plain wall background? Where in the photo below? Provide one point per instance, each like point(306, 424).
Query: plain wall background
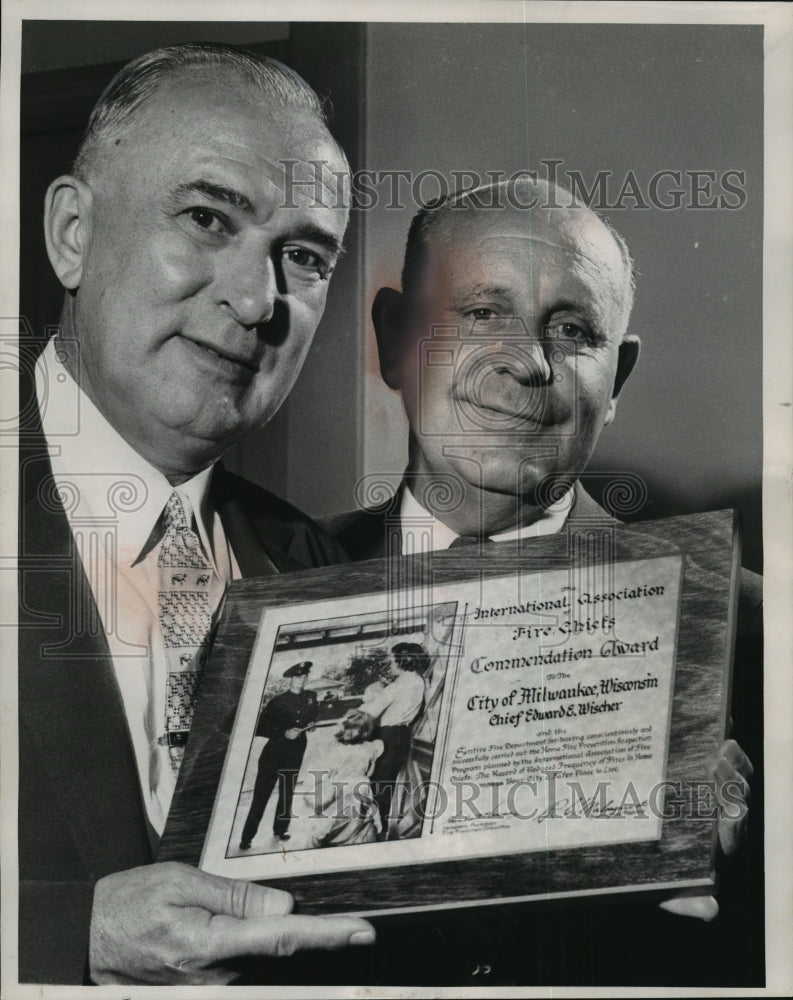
point(504, 97)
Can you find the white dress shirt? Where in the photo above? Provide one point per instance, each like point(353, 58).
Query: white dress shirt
point(423, 532)
point(114, 500)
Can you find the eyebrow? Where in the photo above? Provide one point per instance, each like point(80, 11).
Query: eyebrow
point(217, 192)
point(229, 196)
point(481, 292)
point(497, 291)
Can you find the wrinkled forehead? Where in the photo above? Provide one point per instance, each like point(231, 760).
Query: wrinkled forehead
point(574, 233)
point(541, 245)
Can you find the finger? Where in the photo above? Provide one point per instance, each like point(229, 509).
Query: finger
point(733, 752)
point(282, 936)
point(732, 794)
point(233, 897)
point(701, 907)
point(731, 834)
point(732, 822)
point(733, 791)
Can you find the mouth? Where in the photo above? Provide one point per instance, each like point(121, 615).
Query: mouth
point(523, 413)
point(222, 358)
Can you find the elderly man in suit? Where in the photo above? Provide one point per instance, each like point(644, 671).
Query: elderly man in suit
point(194, 282)
point(509, 345)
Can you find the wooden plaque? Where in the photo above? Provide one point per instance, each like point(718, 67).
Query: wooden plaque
point(647, 615)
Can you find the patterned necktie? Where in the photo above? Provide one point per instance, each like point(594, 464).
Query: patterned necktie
point(185, 614)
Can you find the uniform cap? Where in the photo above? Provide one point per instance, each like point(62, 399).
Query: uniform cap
point(299, 669)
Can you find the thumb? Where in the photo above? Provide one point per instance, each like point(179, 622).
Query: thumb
point(702, 907)
point(278, 937)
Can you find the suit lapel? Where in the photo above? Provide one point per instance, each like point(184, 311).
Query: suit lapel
point(249, 551)
point(69, 697)
point(586, 511)
point(260, 542)
point(372, 533)
point(380, 534)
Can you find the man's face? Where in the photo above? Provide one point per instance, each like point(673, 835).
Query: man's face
point(298, 683)
point(202, 283)
point(509, 347)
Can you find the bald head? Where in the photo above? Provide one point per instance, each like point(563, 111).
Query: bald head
point(544, 212)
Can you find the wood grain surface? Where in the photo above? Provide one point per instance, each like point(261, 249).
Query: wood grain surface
point(683, 857)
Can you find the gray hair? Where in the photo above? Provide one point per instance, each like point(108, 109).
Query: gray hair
point(138, 80)
point(428, 218)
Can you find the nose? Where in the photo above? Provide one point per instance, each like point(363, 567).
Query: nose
point(538, 370)
point(246, 284)
point(525, 361)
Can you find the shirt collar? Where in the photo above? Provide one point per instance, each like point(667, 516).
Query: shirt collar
point(416, 523)
point(103, 480)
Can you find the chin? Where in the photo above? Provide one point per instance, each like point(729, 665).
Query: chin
point(211, 419)
point(513, 477)
point(539, 486)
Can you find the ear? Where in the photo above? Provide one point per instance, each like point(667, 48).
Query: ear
point(67, 207)
point(626, 361)
point(387, 317)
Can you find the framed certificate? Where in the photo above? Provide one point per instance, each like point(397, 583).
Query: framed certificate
point(523, 720)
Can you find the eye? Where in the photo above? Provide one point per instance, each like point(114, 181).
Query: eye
point(481, 313)
point(208, 220)
point(567, 330)
point(303, 258)
point(307, 262)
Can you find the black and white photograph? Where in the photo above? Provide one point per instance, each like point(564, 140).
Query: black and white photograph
point(316, 320)
point(343, 728)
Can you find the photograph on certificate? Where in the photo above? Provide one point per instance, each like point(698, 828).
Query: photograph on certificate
point(348, 716)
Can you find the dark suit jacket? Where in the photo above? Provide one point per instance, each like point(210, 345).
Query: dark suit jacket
point(590, 941)
point(80, 810)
